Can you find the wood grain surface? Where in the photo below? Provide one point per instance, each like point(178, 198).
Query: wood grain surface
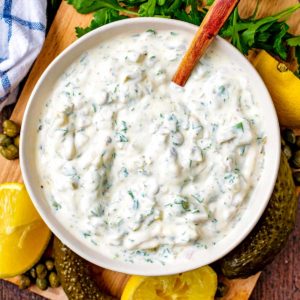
point(280, 280)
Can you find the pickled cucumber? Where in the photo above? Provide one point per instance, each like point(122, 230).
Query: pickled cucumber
point(74, 275)
point(271, 232)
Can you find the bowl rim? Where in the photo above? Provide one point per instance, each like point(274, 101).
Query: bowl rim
point(72, 243)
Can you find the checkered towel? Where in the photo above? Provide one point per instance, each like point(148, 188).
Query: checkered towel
point(22, 33)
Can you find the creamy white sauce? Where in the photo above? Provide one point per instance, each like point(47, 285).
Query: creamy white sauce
point(143, 169)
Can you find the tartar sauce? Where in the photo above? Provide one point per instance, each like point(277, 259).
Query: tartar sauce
point(142, 169)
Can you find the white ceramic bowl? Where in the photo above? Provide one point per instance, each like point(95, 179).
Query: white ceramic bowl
point(260, 195)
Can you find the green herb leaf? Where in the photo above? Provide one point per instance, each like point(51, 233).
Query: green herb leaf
point(101, 17)
point(210, 2)
point(236, 41)
point(136, 203)
point(161, 2)
point(294, 41)
point(269, 33)
point(279, 46)
point(194, 16)
point(168, 8)
point(98, 212)
point(239, 126)
point(249, 34)
point(147, 9)
point(132, 3)
point(56, 205)
point(87, 6)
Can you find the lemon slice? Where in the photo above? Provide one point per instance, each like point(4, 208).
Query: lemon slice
point(23, 234)
point(199, 284)
point(283, 86)
point(16, 208)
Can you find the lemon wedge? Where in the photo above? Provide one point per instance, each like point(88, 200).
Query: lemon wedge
point(283, 86)
point(23, 234)
point(199, 284)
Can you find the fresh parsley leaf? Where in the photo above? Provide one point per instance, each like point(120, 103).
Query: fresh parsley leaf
point(190, 18)
point(253, 26)
point(161, 2)
point(190, 13)
point(269, 33)
point(147, 9)
point(101, 17)
point(132, 3)
point(236, 41)
point(279, 45)
point(294, 41)
point(168, 9)
point(262, 37)
point(87, 6)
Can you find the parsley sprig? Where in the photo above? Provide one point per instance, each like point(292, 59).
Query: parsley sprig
point(269, 33)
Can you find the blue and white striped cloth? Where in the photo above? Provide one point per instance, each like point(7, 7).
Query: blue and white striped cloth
point(22, 34)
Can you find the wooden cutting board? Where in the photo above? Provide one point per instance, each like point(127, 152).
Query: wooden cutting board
point(60, 36)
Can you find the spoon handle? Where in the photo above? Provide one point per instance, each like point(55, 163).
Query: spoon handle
point(209, 28)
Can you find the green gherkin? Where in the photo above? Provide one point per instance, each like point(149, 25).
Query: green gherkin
point(271, 232)
point(74, 275)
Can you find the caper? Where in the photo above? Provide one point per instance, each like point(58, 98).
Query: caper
point(54, 280)
point(42, 283)
point(296, 177)
point(32, 273)
point(289, 136)
point(17, 141)
point(24, 282)
point(41, 271)
point(10, 128)
point(5, 140)
point(295, 160)
point(287, 151)
point(10, 152)
point(49, 263)
point(298, 142)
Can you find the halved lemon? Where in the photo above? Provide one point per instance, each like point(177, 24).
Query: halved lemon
point(199, 284)
point(23, 234)
point(283, 85)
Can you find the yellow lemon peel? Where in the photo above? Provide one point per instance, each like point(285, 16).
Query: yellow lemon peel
point(199, 284)
point(283, 85)
point(23, 234)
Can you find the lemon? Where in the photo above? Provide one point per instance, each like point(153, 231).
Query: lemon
point(199, 284)
point(23, 234)
point(283, 86)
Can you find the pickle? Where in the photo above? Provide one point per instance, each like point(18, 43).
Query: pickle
point(73, 273)
point(271, 232)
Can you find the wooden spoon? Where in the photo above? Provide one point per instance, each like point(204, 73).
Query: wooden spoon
point(209, 28)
